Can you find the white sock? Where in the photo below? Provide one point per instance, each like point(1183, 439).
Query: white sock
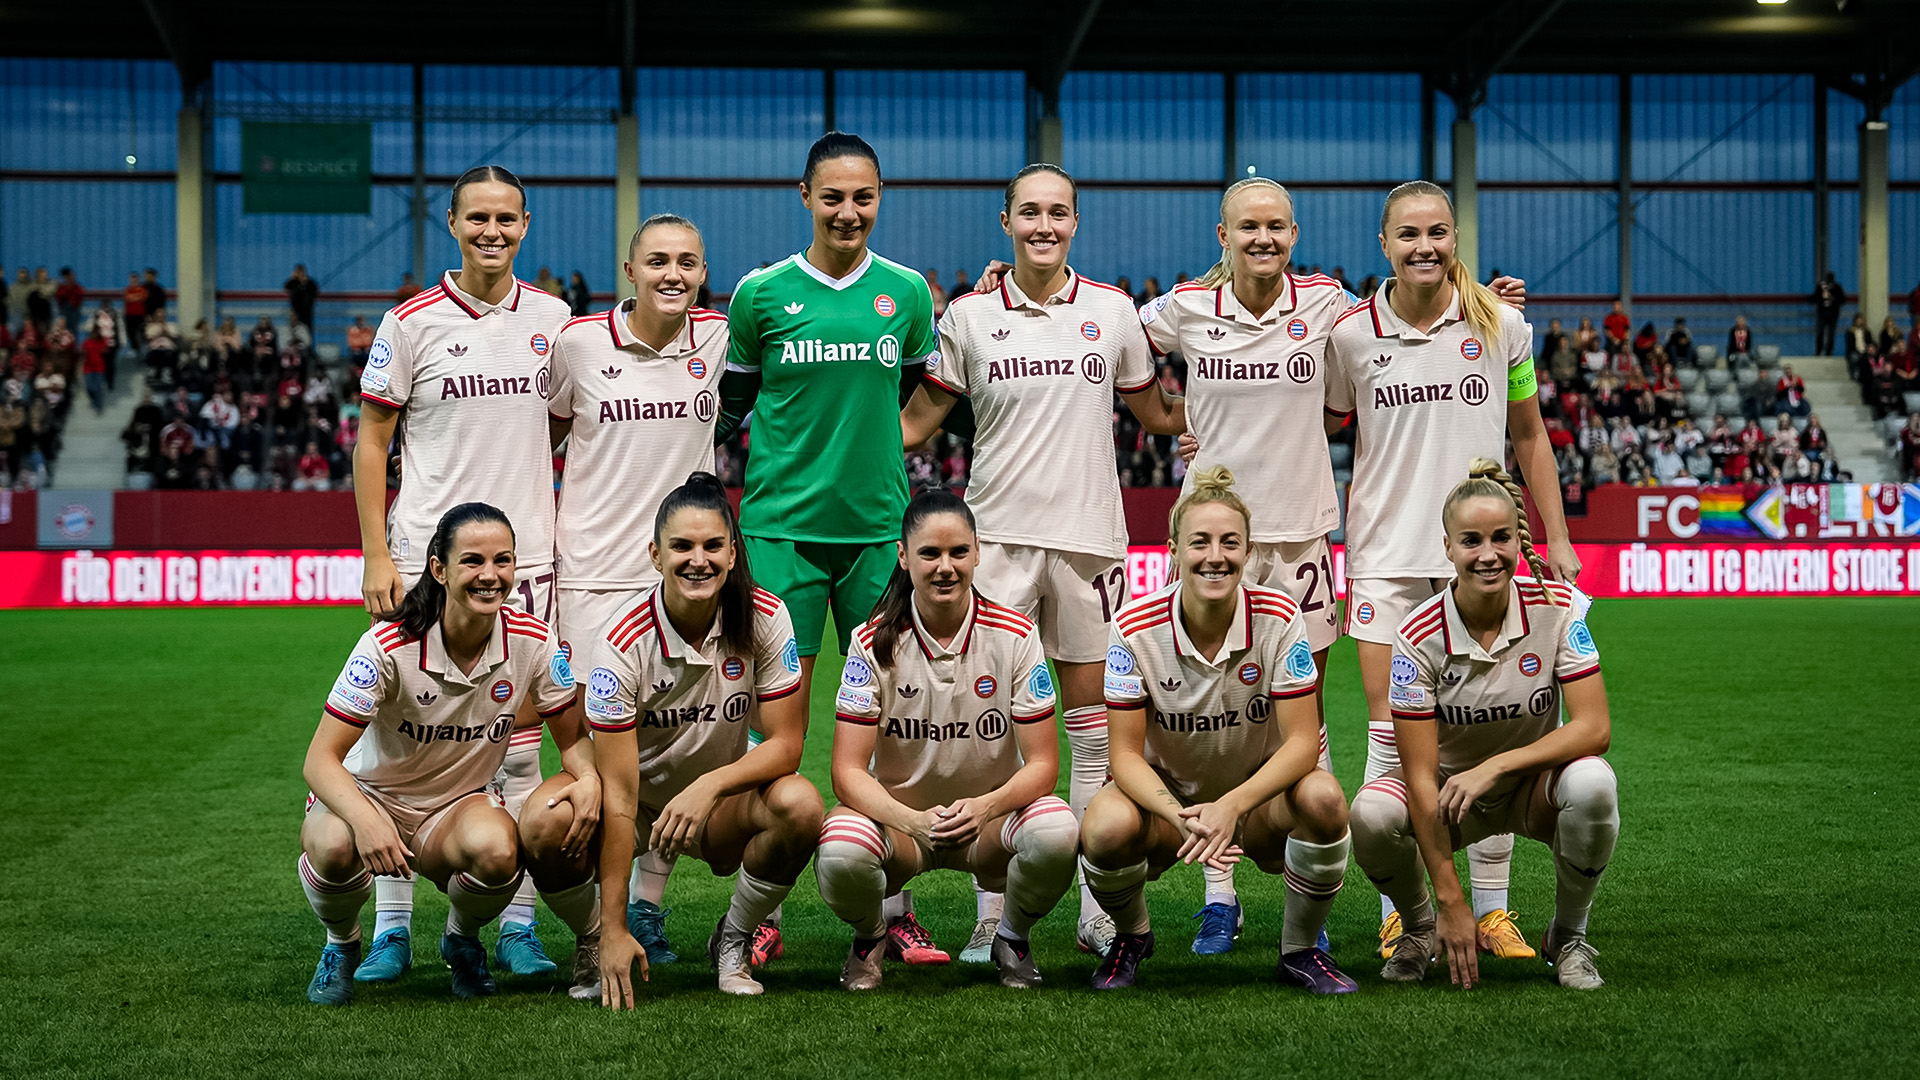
point(472, 903)
point(1122, 893)
point(518, 912)
point(753, 900)
point(897, 906)
point(336, 904)
point(1490, 869)
point(779, 912)
point(1087, 773)
point(649, 880)
point(1583, 839)
point(1044, 838)
point(987, 905)
point(1314, 874)
point(1383, 754)
point(1220, 888)
point(578, 907)
point(1384, 845)
point(851, 867)
point(392, 904)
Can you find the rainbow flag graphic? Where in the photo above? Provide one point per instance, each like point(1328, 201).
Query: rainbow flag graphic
point(1723, 512)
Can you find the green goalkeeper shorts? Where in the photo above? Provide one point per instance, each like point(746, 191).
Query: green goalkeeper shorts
point(813, 577)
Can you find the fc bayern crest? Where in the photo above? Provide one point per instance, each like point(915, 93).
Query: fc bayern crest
point(1470, 348)
point(884, 305)
point(732, 667)
point(1529, 664)
point(696, 367)
point(1090, 330)
point(1249, 673)
point(984, 686)
point(1297, 329)
point(539, 344)
point(1364, 612)
point(501, 691)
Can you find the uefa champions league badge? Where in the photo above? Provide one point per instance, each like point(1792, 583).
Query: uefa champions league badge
point(602, 683)
point(1402, 670)
point(1300, 661)
point(856, 673)
point(1119, 661)
point(362, 672)
point(380, 355)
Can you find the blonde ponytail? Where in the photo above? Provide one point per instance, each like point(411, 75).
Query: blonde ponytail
point(1479, 304)
point(1213, 484)
point(1221, 274)
point(1487, 479)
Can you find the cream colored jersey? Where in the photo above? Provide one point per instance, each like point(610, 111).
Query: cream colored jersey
point(1256, 387)
point(470, 380)
point(1041, 375)
point(1490, 700)
point(688, 706)
point(434, 733)
point(1427, 405)
point(642, 421)
point(1208, 722)
point(945, 712)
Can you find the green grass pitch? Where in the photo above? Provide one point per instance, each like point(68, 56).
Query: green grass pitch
point(1755, 920)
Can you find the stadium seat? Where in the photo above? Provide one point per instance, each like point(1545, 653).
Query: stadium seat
point(1799, 423)
point(1705, 355)
point(328, 352)
point(1700, 403)
point(1728, 402)
point(1767, 353)
point(1912, 400)
point(1342, 455)
point(139, 480)
point(1718, 380)
point(1745, 375)
point(1690, 379)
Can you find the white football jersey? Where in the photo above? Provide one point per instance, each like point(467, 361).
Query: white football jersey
point(642, 421)
point(471, 381)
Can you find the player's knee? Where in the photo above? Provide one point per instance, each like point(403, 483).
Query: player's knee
point(1110, 830)
point(849, 844)
point(329, 847)
point(1320, 807)
point(1587, 785)
point(1046, 830)
point(544, 828)
point(796, 807)
point(1379, 810)
point(493, 854)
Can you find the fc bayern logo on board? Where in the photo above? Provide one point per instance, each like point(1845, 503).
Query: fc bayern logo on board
point(1297, 329)
point(984, 686)
point(1249, 673)
point(1473, 389)
point(1470, 348)
point(1529, 664)
point(1090, 330)
point(75, 522)
point(539, 344)
point(732, 668)
point(884, 305)
point(697, 367)
point(501, 691)
point(1364, 612)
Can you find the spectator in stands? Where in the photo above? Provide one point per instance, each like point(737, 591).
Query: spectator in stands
point(69, 297)
point(1571, 469)
point(50, 384)
point(12, 419)
point(1859, 338)
point(244, 478)
point(1753, 441)
point(1668, 466)
point(579, 298)
point(1647, 340)
point(1790, 393)
point(17, 300)
point(1148, 292)
point(313, 473)
point(1618, 326)
point(133, 301)
point(1593, 360)
point(219, 417)
point(171, 474)
point(1828, 298)
point(1905, 363)
point(302, 294)
point(408, 289)
point(320, 387)
point(1338, 274)
point(1739, 341)
point(1634, 469)
point(93, 368)
point(141, 436)
point(40, 300)
point(1553, 339)
point(1680, 343)
point(961, 286)
point(156, 294)
point(163, 350)
point(1890, 335)
point(359, 342)
point(1813, 440)
point(1795, 468)
point(1605, 467)
point(265, 344)
point(938, 293)
point(1124, 284)
point(202, 346)
point(1785, 441)
point(208, 475)
point(1910, 444)
point(547, 283)
point(1879, 389)
point(1700, 466)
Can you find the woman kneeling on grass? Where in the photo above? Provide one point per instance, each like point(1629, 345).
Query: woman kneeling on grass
point(944, 757)
point(1477, 678)
point(415, 728)
point(673, 681)
point(1214, 739)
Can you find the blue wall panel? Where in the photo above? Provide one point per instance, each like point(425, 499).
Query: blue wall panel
point(317, 92)
point(1561, 242)
point(1550, 127)
point(1722, 127)
point(344, 252)
point(102, 229)
point(570, 228)
point(942, 229)
point(744, 227)
point(1708, 242)
point(1328, 127)
point(1143, 234)
point(1903, 224)
point(88, 115)
point(944, 125)
point(1903, 145)
point(1338, 228)
point(529, 143)
point(1134, 126)
point(727, 123)
point(1843, 137)
point(1843, 238)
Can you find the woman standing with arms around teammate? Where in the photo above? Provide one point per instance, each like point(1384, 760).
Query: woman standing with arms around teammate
point(672, 682)
point(1420, 366)
point(1209, 686)
point(1474, 760)
point(926, 773)
point(400, 768)
point(635, 393)
point(1041, 357)
point(460, 371)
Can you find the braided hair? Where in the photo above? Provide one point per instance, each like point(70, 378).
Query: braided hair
point(1487, 479)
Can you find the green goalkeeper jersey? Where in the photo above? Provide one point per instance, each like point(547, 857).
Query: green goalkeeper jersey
point(824, 463)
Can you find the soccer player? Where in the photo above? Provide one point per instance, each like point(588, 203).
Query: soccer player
point(1420, 366)
point(635, 391)
point(414, 730)
point(1209, 685)
point(672, 683)
point(1478, 674)
point(461, 372)
point(1041, 357)
point(944, 757)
